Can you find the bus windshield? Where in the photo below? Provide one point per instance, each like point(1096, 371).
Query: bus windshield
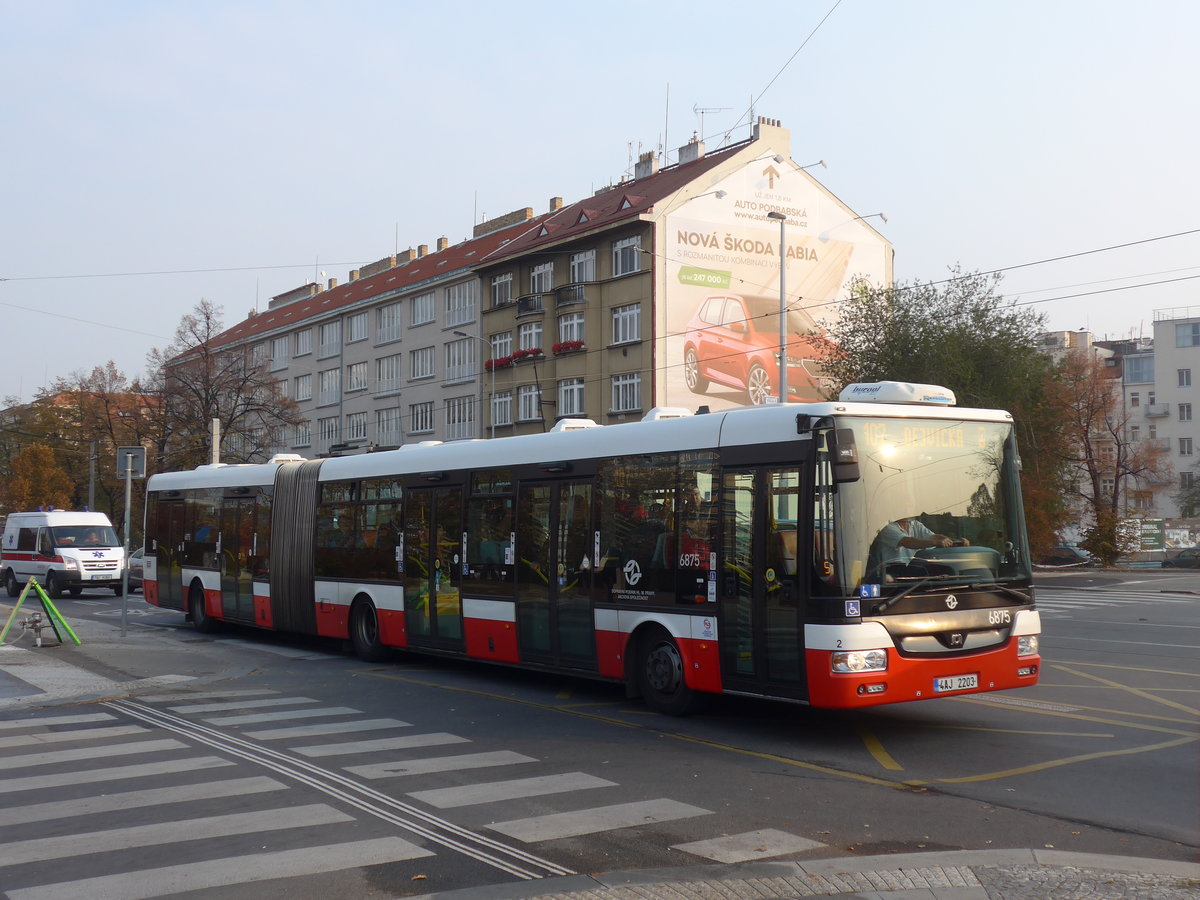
point(937, 501)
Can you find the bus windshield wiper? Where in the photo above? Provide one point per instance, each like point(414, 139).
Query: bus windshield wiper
point(1011, 592)
point(883, 605)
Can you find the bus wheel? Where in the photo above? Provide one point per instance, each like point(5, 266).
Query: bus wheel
point(661, 679)
point(53, 588)
point(11, 584)
point(364, 632)
point(201, 620)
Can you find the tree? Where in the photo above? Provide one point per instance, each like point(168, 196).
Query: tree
point(35, 479)
point(198, 378)
point(964, 335)
point(1105, 461)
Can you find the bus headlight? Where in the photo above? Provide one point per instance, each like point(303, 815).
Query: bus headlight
point(859, 661)
point(1027, 645)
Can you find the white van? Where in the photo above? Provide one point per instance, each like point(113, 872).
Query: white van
point(64, 551)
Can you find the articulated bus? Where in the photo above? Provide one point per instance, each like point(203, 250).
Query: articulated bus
point(840, 554)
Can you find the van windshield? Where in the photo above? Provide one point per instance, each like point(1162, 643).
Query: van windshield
point(88, 536)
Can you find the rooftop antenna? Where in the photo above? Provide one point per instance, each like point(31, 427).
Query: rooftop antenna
point(701, 110)
point(666, 123)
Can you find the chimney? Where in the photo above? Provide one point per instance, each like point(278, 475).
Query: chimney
point(442, 244)
point(555, 204)
point(647, 165)
point(332, 283)
point(354, 274)
point(422, 250)
point(406, 256)
point(515, 217)
point(692, 150)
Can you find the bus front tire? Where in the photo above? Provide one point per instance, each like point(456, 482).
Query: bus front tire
point(201, 620)
point(661, 678)
point(364, 633)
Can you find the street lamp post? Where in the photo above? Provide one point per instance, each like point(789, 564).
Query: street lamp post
point(492, 394)
point(783, 386)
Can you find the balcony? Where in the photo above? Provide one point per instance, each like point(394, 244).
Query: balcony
point(530, 304)
point(1157, 410)
point(570, 294)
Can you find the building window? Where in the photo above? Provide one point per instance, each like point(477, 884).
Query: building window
point(460, 303)
point(420, 418)
point(1187, 481)
point(423, 309)
point(570, 327)
point(460, 418)
point(330, 340)
point(1187, 335)
point(529, 403)
point(258, 354)
point(1152, 431)
point(387, 427)
point(1139, 369)
point(1135, 399)
point(330, 387)
point(529, 336)
point(583, 266)
point(626, 256)
point(303, 387)
point(1150, 398)
point(1135, 433)
point(502, 289)
point(356, 426)
point(501, 345)
point(627, 392)
point(1185, 377)
point(356, 328)
point(279, 354)
point(420, 363)
point(460, 360)
point(327, 430)
point(1185, 412)
point(387, 373)
point(303, 435)
point(541, 278)
point(502, 408)
point(303, 345)
point(388, 320)
point(570, 397)
point(281, 386)
point(1185, 446)
point(627, 323)
point(356, 377)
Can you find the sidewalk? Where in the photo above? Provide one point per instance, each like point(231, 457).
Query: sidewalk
point(102, 665)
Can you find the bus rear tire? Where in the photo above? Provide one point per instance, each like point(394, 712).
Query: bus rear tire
point(201, 620)
point(364, 632)
point(660, 677)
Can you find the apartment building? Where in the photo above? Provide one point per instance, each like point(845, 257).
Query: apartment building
point(665, 289)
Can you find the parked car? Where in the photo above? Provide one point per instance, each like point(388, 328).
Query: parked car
point(136, 565)
point(1184, 559)
point(733, 340)
point(1065, 555)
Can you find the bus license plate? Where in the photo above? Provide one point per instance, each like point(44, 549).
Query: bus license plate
point(955, 683)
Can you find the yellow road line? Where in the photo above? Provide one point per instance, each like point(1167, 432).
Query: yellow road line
point(1137, 692)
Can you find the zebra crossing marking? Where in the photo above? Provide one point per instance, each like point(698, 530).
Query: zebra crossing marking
point(516, 789)
point(736, 848)
point(283, 716)
point(216, 873)
point(601, 818)
point(230, 705)
point(57, 720)
point(75, 734)
point(304, 731)
point(115, 839)
point(114, 773)
point(406, 742)
point(54, 757)
point(436, 764)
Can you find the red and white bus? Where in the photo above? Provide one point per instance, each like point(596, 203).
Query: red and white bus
point(840, 554)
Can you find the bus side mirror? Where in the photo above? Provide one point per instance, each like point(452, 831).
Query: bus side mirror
point(845, 456)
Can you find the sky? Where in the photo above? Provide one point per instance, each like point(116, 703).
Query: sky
point(157, 154)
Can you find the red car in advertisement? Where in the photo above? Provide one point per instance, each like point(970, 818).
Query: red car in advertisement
point(733, 340)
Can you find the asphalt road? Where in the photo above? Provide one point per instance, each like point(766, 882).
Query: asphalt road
point(260, 757)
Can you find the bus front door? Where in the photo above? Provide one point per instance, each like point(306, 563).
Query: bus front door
point(237, 551)
point(168, 553)
point(762, 597)
point(554, 574)
point(433, 563)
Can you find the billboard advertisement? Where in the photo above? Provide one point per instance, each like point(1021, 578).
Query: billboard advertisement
point(719, 308)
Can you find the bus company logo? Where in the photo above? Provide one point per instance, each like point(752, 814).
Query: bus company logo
point(633, 572)
point(951, 602)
